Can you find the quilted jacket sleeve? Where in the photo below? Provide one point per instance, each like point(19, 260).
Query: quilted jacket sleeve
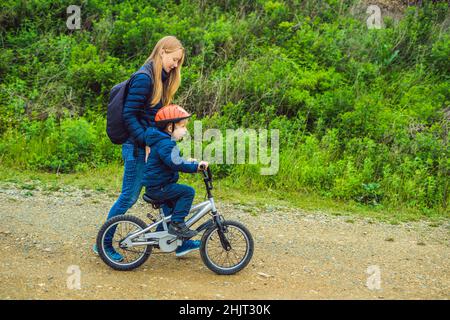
point(139, 91)
point(170, 155)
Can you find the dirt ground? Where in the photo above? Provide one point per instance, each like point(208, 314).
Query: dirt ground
point(298, 255)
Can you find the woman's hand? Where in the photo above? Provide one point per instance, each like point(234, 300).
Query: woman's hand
point(202, 165)
point(147, 152)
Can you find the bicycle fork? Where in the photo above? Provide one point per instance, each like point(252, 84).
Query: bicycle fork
point(221, 229)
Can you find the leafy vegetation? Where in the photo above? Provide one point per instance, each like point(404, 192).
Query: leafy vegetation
point(363, 114)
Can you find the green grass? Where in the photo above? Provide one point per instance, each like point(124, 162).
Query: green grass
point(108, 180)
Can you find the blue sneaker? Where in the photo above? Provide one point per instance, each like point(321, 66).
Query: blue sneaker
point(113, 254)
point(187, 246)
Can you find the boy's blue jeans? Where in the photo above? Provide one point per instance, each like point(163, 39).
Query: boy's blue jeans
point(180, 194)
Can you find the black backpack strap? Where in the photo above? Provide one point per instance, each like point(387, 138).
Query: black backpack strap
point(148, 70)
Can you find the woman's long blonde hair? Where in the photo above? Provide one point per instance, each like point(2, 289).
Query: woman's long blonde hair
point(167, 90)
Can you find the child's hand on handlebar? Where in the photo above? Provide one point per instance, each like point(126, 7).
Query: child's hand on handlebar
point(202, 165)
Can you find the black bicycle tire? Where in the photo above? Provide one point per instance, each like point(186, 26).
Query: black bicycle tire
point(227, 271)
point(102, 253)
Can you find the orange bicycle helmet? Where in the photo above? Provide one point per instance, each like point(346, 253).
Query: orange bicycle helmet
point(170, 113)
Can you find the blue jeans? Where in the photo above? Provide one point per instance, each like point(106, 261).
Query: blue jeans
point(181, 195)
point(131, 185)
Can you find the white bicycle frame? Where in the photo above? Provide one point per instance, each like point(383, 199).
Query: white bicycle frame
point(152, 238)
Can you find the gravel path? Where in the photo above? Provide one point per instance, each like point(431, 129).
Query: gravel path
point(298, 255)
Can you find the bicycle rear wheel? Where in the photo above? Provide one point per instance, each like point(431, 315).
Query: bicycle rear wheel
point(122, 226)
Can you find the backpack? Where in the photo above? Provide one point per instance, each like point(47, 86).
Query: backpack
point(115, 126)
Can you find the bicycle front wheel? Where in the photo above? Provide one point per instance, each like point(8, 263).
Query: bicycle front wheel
point(230, 260)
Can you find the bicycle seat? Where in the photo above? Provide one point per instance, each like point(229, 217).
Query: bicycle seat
point(157, 203)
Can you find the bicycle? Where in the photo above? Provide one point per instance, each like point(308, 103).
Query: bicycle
point(222, 242)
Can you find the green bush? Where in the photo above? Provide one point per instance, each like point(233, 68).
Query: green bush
point(362, 114)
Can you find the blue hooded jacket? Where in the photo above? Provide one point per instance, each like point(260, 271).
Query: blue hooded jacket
point(164, 161)
point(137, 113)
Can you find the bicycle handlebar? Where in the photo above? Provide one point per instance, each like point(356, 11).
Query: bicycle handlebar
point(208, 171)
point(207, 176)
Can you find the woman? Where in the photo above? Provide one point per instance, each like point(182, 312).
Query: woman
point(144, 98)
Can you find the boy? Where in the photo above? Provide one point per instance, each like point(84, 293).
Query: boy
point(163, 162)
